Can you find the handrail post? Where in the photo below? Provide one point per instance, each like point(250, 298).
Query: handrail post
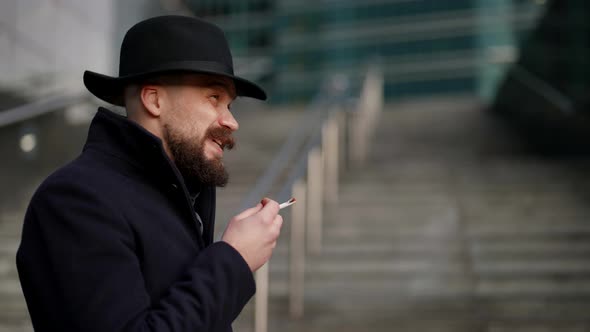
point(355, 137)
point(261, 300)
point(314, 200)
point(330, 146)
point(297, 251)
point(363, 121)
point(323, 163)
point(374, 102)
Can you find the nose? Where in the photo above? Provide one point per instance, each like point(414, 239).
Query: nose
point(227, 120)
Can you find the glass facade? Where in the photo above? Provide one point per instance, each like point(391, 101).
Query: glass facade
point(426, 47)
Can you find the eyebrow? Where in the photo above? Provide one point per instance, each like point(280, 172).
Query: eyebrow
point(223, 84)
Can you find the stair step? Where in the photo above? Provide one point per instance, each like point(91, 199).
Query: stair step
point(571, 233)
point(511, 247)
point(328, 266)
point(553, 267)
point(523, 287)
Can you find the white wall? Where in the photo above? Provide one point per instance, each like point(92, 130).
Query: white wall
point(45, 45)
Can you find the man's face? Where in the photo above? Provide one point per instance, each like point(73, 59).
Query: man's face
point(198, 126)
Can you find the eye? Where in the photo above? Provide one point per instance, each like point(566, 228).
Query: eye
point(214, 99)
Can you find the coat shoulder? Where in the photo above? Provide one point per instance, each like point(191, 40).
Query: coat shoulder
point(87, 175)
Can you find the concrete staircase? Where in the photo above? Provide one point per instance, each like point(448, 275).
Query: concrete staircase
point(454, 225)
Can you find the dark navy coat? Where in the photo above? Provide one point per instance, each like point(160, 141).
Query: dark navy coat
point(110, 243)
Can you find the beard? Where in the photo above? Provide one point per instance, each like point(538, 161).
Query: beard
point(189, 157)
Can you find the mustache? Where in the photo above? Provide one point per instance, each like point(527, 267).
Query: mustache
point(222, 135)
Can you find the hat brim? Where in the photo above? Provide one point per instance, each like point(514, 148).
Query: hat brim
point(111, 89)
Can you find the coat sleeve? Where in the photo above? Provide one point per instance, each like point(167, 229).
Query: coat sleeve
point(79, 272)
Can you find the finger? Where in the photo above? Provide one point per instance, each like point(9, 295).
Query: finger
point(269, 210)
point(248, 212)
point(278, 221)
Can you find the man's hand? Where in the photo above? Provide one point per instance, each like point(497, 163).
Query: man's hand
point(254, 232)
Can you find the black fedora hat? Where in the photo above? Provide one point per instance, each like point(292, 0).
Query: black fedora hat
point(168, 44)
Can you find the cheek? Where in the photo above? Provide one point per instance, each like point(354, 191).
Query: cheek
point(200, 127)
point(194, 132)
point(193, 122)
point(184, 129)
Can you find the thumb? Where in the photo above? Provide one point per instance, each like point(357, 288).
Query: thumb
point(248, 212)
point(270, 208)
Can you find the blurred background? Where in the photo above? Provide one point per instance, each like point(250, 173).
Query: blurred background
point(466, 207)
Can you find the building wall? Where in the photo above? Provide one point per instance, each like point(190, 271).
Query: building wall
point(290, 46)
point(45, 44)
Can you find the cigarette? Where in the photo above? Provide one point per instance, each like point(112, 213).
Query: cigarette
point(287, 203)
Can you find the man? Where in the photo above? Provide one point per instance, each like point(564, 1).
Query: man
point(120, 239)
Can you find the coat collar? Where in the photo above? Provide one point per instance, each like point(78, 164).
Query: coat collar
point(118, 136)
point(132, 144)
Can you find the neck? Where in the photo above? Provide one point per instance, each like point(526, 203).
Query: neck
point(151, 124)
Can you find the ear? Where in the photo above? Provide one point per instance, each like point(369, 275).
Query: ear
point(151, 98)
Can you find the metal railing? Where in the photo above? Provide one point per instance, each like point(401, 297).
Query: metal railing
point(334, 133)
point(39, 107)
point(543, 89)
point(37, 137)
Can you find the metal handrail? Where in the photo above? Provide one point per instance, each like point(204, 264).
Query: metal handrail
point(40, 107)
point(313, 147)
point(312, 116)
point(543, 89)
